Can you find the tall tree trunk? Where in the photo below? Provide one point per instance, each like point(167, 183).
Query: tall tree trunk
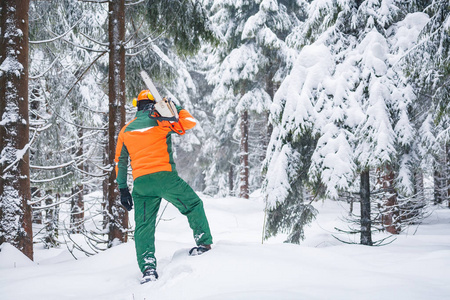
point(366, 222)
point(439, 179)
point(15, 213)
point(390, 217)
point(36, 215)
point(51, 220)
point(244, 176)
point(270, 89)
point(231, 180)
point(419, 190)
point(118, 216)
point(448, 173)
point(77, 203)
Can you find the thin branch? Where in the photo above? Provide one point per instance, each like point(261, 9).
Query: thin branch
point(92, 110)
point(81, 76)
point(57, 37)
point(23, 151)
point(94, 41)
point(57, 203)
point(134, 3)
point(40, 199)
point(51, 179)
point(83, 47)
point(92, 175)
point(162, 213)
point(95, 1)
point(43, 73)
point(135, 33)
point(76, 125)
point(52, 167)
point(136, 53)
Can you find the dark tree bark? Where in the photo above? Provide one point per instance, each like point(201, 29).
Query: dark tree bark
point(117, 215)
point(244, 176)
point(270, 89)
point(419, 190)
point(231, 179)
point(390, 217)
point(51, 220)
point(366, 222)
point(448, 174)
point(15, 213)
point(440, 181)
point(77, 203)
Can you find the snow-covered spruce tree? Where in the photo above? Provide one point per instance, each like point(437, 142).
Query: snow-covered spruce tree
point(245, 72)
point(15, 212)
point(428, 68)
point(346, 90)
point(296, 121)
point(384, 137)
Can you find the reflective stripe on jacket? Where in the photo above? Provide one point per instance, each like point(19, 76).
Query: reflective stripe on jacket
point(148, 144)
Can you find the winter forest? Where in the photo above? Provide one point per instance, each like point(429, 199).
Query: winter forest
point(297, 101)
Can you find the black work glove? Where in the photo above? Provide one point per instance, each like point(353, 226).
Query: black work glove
point(125, 198)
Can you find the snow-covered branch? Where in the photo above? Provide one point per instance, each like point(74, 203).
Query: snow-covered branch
point(52, 167)
point(83, 47)
point(20, 153)
point(57, 203)
point(59, 36)
point(94, 1)
point(135, 3)
point(50, 179)
point(43, 73)
point(94, 41)
point(84, 72)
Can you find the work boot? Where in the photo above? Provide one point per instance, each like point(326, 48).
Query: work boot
point(199, 250)
point(149, 275)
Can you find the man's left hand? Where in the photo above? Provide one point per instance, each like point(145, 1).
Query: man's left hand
point(126, 199)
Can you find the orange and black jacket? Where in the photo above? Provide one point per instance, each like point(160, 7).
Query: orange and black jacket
point(148, 144)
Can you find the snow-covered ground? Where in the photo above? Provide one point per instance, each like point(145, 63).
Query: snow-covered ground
point(415, 266)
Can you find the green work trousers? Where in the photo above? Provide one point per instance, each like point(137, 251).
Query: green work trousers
point(147, 193)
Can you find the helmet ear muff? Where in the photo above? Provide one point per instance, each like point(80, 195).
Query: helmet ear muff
point(134, 102)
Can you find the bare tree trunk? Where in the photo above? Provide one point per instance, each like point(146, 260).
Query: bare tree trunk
point(36, 215)
point(231, 179)
point(390, 217)
point(366, 222)
point(118, 216)
point(77, 203)
point(15, 213)
point(270, 89)
point(51, 220)
point(244, 180)
point(439, 182)
point(448, 173)
point(419, 190)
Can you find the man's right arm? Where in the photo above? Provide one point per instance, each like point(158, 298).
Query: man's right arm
point(121, 161)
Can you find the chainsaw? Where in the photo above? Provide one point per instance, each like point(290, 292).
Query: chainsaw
point(163, 109)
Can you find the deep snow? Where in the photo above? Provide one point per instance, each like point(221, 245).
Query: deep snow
point(415, 266)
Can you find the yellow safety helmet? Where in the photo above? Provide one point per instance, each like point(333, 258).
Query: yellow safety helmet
point(143, 95)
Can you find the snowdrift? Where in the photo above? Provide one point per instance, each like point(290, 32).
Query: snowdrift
point(415, 266)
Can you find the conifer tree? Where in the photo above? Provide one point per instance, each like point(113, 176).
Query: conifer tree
point(15, 212)
point(246, 69)
point(353, 100)
point(428, 68)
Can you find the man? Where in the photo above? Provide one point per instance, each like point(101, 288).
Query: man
point(147, 142)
